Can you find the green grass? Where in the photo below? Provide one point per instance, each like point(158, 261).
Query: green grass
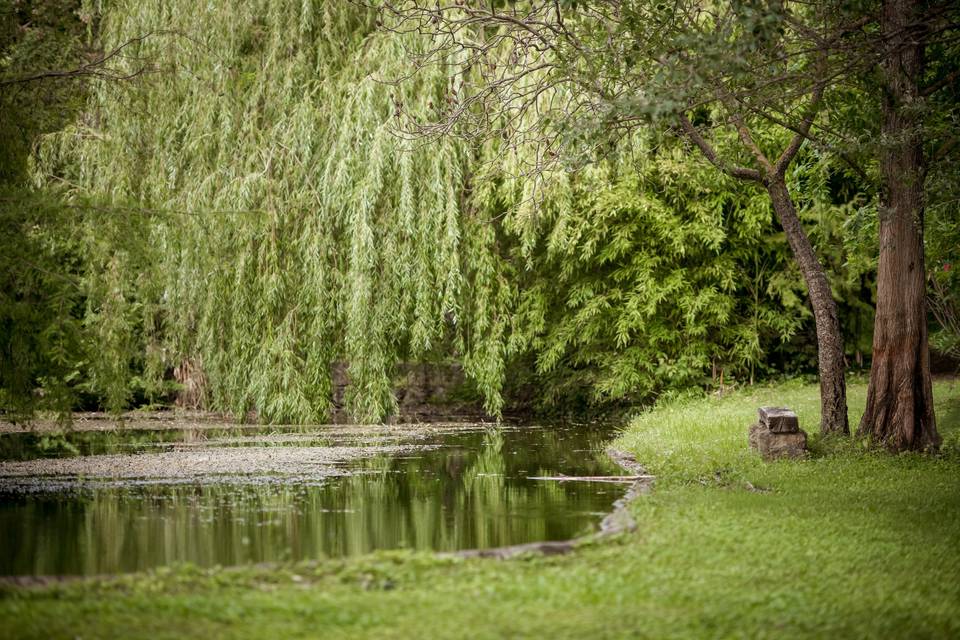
point(694, 439)
point(849, 543)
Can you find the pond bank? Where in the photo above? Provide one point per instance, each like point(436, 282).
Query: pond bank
point(132, 499)
point(845, 544)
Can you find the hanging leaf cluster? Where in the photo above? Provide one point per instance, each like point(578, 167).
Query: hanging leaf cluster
point(248, 213)
point(292, 228)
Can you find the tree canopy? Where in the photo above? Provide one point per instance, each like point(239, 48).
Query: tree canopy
point(279, 187)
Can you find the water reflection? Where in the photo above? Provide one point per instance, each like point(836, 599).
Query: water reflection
point(473, 492)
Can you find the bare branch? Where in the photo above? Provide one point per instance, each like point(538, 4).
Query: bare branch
point(747, 139)
point(945, 81)
point(742, 173)
point(817, 141)
point(802, 132)
point(96, 68)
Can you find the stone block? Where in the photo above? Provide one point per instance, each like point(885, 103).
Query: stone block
point(772, 445)
point(779, 419)
point(753, 437)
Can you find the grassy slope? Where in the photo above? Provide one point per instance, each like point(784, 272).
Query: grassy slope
point(845, 544)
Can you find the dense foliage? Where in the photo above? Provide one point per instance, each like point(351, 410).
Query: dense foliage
point(661, 273)
point(42, 346)
point(243, 213)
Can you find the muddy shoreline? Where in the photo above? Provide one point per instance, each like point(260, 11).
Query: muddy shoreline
point(201, 420)
point(217, 464)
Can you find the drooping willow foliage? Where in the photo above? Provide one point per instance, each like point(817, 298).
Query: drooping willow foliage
point(247, 213)
point(291, 227)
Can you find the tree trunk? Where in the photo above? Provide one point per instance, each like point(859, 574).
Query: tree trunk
point(830, 363)
point(899, 411)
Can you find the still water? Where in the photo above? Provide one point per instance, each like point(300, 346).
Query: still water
point(470, 489)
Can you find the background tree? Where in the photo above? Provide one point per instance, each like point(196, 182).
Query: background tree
point(650, 274)
point(41, 335)
point(899, 410)
point(72, 323)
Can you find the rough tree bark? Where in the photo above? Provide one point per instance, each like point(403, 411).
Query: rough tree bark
point(830, 362)
point(899, 411)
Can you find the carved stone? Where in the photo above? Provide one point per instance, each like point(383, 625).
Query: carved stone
point(773, 446)
point(779, 419)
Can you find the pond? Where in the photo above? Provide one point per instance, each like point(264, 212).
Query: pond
point(134, 498)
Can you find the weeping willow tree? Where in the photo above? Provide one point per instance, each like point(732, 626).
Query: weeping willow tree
point(291, 229)
point(249, 211)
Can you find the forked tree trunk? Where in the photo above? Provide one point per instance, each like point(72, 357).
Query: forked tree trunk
point(899, 411)
point(830, 363)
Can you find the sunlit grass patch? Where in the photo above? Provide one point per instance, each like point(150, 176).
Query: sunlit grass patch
point(705, 437)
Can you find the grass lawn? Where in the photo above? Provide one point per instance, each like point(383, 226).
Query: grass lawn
point(849, 543)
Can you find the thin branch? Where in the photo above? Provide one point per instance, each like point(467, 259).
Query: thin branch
point(742, 173)
point(817, 141)
point(94, 68)
point(802, 133)
point(928, 91)
point(943, 150)
point(749, 143)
